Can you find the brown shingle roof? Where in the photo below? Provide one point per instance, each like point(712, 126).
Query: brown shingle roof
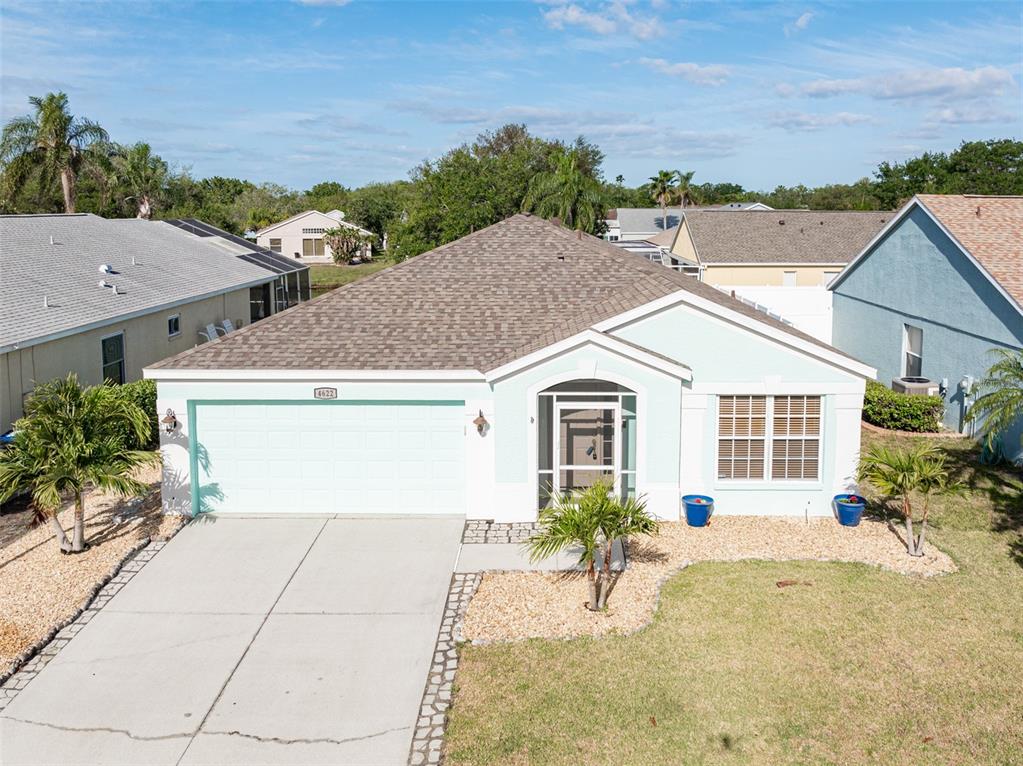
point(990, 228)
point(474, 304)
point(782, 236)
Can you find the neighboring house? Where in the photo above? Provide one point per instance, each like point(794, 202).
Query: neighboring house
point(104, 298)
point(522, 359)
point(934, 292)
point(635, 224)
point(745, 206)
point(301, 236)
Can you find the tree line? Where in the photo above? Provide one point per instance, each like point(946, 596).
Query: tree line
point(52, 161)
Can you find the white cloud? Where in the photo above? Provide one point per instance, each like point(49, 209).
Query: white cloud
point(803, 121)
point(612, 18)
point(799, 24)
point(713, 74)
point(951, 83)
point(958, 115)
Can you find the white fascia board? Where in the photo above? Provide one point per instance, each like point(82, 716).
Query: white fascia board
point(175, 374)
point(598, 339)
point(734, 317)
point(815, 265)
point(133, 315)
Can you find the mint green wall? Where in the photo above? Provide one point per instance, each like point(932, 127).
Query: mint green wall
point(721, 353)
point(660, 431)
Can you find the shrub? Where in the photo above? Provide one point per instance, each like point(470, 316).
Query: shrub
point(142, 393)
point(901, 412)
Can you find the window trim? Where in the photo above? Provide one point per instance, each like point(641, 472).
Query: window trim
point(766, 482)
point(906, 352)
point(173, 334)
point(124, 356)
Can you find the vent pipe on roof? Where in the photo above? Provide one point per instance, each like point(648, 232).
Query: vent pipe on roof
point(106, 268)
point(133, 261)
point(46, 302)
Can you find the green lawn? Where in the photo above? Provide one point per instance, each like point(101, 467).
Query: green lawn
point(326, 277)
point(857, 666)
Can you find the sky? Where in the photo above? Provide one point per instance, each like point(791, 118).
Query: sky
point(301, 91)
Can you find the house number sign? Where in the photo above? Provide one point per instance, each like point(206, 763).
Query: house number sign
point(324, 393)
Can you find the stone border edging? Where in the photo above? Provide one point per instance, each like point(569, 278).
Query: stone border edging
point(27, 665)
point(428, 736)
point(922, 434)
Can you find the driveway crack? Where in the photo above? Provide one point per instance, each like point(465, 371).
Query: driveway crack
point(306, 740)
point(101, 730)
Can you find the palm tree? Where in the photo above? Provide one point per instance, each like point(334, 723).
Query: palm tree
point(621, 519)
point(70, 440)
point(144, 175)
point(1000, 404)
point(685, 191)
point(899, 473)
point(567, 193)
point(50, 143)
point(662, 190)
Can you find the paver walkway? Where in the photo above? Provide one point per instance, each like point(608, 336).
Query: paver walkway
point(251, 641)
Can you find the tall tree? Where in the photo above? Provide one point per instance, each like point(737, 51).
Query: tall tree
point(685, 191)
point(143, 175)
point(566, 192)
point(51, 143)
point(662, 191)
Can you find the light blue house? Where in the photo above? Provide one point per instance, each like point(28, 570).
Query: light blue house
point(934, 292)
point(521, 360)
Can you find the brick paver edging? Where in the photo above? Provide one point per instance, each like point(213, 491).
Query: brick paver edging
point(486, 531)
point(27, 665)
point(428, 737)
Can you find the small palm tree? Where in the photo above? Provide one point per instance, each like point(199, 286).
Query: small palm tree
point(685, 192)
point(1000, 404)
point(901, 473)
point(144, 175)
point(592, 520)
point(72, 439)
point(568, 193)
point(663, 191)
point(51, 143)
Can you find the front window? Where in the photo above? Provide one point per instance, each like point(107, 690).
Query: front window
point(275, 245)
point(112, 349)
point(913, 345)
point(312, 248)
point(786, 428)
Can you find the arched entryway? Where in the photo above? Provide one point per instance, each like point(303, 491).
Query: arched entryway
point(586, 430)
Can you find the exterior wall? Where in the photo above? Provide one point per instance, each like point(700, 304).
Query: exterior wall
point(806, 276)
point(807, 308)
point(145, 342)
point(916, 275)
point(729, 360)
point(291, 237)
point(683, 246)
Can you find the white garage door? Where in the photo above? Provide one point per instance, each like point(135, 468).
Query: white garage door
point(336, 457)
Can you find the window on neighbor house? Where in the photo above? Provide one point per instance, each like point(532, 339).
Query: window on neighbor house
point(112, 349)
point(792, 440)
point(913, 349)
point(828, 276)
point(275, 245)
point(312, 247)
point(788, 279)
point(313, 231)
point(173, 325)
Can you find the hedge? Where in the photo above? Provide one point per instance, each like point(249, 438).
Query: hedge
point(143, 393)
point(901, 412)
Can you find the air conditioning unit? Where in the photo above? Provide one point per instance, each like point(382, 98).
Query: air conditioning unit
point(915, 386)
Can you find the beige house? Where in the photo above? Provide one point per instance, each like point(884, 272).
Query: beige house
point(105, 298)
point(301, 236)
point(776, 248)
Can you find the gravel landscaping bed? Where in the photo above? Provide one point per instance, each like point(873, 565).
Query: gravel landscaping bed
point(512, 606)
point(41, 588)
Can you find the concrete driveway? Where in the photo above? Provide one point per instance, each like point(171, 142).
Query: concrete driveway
point(251, 641)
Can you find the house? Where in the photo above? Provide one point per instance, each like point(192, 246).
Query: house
point(635, 224)
point(301, 236)
point(933, 292)
point(104, 298)
point(522, 359)
point(747, 206)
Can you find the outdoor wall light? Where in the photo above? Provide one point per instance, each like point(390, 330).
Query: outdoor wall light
point(481, 424)
point(170, 421)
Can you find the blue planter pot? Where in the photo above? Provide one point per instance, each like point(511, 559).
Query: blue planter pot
point(699, 509)
point(849, 509)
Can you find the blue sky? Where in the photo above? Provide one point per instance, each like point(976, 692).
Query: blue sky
point(301, 91)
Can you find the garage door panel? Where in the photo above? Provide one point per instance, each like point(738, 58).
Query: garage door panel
point(332, 457)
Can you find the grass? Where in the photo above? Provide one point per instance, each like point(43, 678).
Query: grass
point(327, 277)
point(859, 666)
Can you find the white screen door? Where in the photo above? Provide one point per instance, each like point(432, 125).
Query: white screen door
point(587, 441)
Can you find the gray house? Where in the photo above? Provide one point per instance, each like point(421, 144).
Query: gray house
point(931, 295)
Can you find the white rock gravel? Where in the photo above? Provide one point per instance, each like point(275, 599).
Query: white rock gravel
point(512, 606)
point(41, 588)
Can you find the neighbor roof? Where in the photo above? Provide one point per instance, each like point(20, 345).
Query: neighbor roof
point(664, 238)
point(645, 220)
point(238, 246)
point(56, 259)
point(474, 304)
point(335, 216)
point(782, 236)
point(989, 228)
